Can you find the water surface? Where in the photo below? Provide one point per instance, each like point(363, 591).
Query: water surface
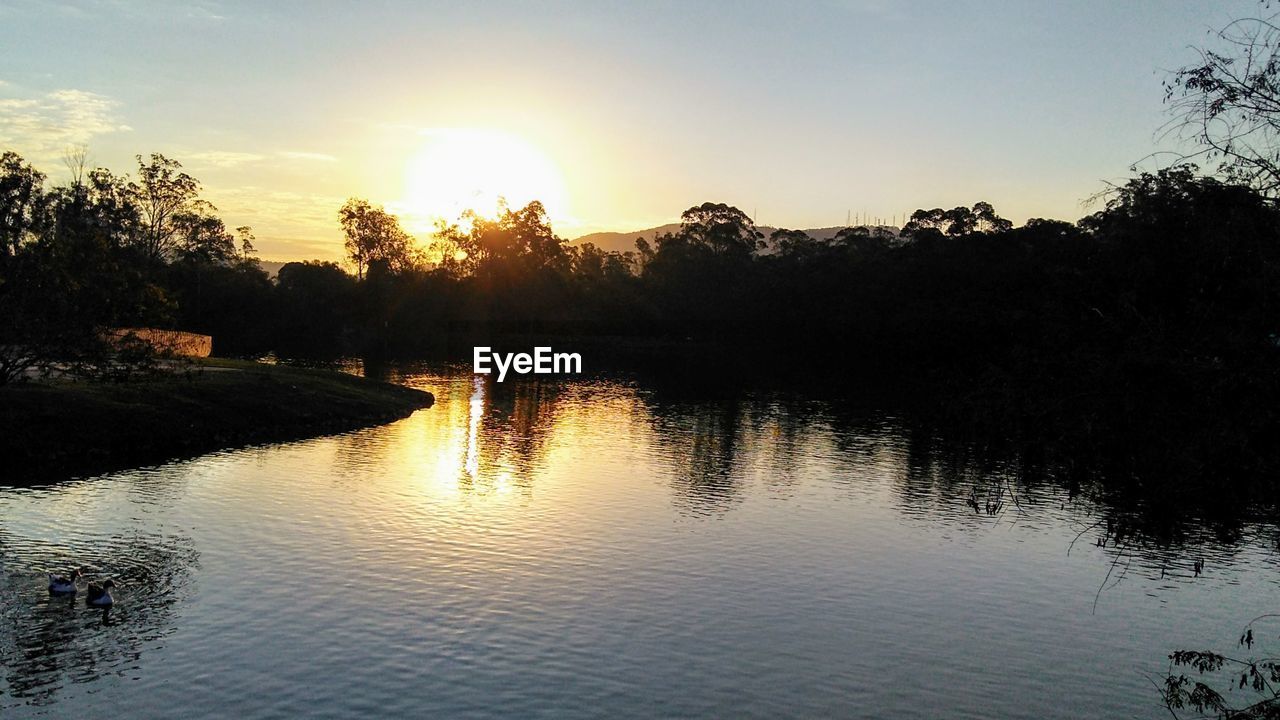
point(600, 548)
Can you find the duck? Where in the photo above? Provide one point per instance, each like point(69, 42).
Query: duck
point(100, 595)
point(64, 584)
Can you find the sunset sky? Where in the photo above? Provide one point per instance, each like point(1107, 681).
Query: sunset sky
point(618, 115)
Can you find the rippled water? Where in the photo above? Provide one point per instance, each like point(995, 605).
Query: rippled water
point(596, 549)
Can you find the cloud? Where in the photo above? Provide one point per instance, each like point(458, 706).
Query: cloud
point(882, 9)
point(161, 10)
point(288, 225)
point(257, 206)
point(204, 12)
point(284, 248)
point(43, 127)
point(321, 157)
point(221, 159)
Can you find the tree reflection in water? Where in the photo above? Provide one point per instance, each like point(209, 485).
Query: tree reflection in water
point(714, 461)
point(714, 443)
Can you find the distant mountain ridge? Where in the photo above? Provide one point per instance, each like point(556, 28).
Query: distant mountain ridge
point(272, 267)
point(622, 241)
point(625, 241)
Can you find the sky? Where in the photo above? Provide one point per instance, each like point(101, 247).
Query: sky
point(618, 115)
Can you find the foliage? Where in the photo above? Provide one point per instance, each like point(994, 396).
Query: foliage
point(1228, 103)
point(720, 228)
point(163, 194)
point(107, 251)
point(1257, 678)
point(21, 193)
point(314, 316)
point(516, 242)
point(958, 221)
point(374, 236)
point(514, 269)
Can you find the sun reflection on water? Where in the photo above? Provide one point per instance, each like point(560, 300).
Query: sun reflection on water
point(473, 427)
point(611, 540)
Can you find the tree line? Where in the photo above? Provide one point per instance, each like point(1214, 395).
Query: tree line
point(1177, 267)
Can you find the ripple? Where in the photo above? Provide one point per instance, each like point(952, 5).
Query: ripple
point(579, 549)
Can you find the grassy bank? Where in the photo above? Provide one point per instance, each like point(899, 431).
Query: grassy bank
point(63, 429)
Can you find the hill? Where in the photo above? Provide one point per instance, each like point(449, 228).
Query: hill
point(626, 241)
point(272, 267)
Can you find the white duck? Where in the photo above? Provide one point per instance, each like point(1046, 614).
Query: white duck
point(100, 595)
point(64, 584)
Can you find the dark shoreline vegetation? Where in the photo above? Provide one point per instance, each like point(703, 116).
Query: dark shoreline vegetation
point(54, 430)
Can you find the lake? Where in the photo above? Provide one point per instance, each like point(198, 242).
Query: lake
point(604, 547)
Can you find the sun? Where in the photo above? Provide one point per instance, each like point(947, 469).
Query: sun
point(459, 169)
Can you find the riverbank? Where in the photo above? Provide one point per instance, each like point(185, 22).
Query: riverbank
point(56, 430)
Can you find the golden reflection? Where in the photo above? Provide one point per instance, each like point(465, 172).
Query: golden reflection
point(480, 438)
point(508, 430)
point(489, 441)
point(473, 427)
point(484, 439)
point(485, 448)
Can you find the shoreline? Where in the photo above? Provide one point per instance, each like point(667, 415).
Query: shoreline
point(63, 430)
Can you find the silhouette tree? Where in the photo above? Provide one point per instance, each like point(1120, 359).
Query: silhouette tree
point(76, 160)
point(161, 193)
point(701, 275)
point(957, 221)
point(863, 239)
point(374, 235)
point(71, 270)
point(21, 201)
point(791, 242)
point(1228, 103)
point(103, 203)
point(590, 261)
point(314, 310)
point(723, 229)
point(202, 236)
point(1192, 266)
point(515, 241)
point(985, 219)
point(515, 263)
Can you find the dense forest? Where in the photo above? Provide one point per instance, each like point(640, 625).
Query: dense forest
point(1177, 270)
